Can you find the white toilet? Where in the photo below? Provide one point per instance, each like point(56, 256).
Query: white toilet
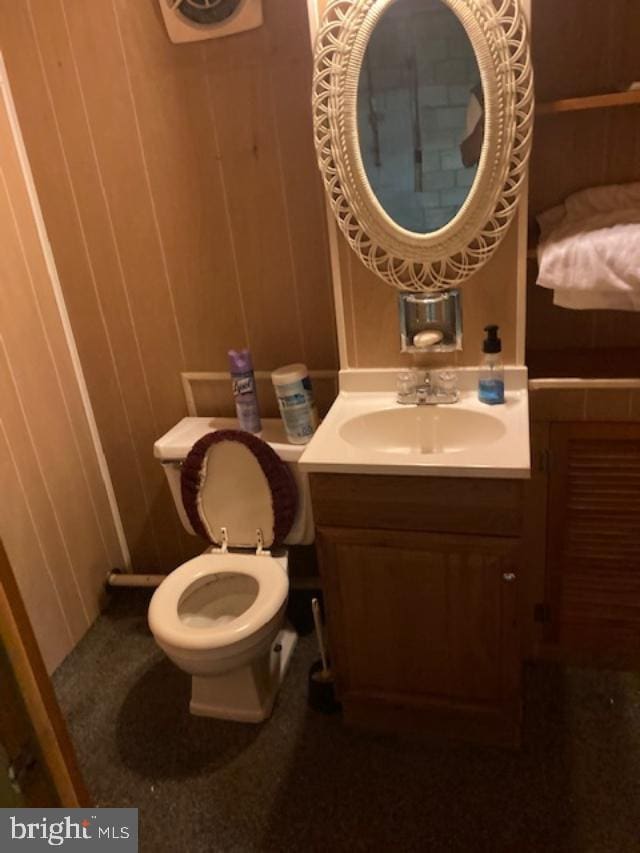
point(220, 616)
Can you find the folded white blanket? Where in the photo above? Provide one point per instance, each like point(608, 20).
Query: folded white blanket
point(589, 252)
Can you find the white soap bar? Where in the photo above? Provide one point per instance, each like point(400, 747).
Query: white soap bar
point(428, 338)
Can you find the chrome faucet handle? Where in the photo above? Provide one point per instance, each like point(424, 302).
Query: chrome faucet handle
point(422, 376)
point(423, 393)
point(405, 386)
point(445, 384)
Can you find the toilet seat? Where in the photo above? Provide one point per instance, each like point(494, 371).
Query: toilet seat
point(234, 484)
point(164, 617)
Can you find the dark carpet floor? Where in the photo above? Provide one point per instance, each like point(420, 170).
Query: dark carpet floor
point(302, 782)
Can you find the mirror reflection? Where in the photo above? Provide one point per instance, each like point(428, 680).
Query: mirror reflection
point(420, 114)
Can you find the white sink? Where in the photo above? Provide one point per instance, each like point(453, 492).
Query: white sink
point(422, 430)
point(368, 432)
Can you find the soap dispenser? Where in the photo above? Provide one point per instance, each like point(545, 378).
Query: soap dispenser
point(491, 379)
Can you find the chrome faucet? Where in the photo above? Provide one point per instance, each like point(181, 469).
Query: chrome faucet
point(427, 388)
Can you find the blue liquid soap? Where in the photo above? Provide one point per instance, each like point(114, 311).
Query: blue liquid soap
point(491, 379)
point(491, 391)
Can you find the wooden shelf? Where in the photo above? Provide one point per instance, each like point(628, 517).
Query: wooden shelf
point(592, 102)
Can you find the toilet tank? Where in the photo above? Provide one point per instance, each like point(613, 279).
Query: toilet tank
point(172, 449)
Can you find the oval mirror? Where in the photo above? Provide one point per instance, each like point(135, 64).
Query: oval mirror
point(423, 113)
point(420, 114)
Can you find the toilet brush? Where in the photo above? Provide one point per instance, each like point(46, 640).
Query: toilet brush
point(317, 621)
point(321, 693)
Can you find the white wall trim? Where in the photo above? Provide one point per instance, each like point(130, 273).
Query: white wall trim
point(522, 225)
point(577, 384)
point(384, 379)
point(338, 297)
point(189, 377)
point(522, 264)
point(62, 309)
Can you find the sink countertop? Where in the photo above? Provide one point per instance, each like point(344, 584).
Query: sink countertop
point(342, 447)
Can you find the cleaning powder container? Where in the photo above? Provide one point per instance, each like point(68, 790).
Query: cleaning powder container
point(295, 400)
point(244, 390)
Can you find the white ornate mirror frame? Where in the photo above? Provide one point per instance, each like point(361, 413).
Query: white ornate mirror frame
point(441, 259)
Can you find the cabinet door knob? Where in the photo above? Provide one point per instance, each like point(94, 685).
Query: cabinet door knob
point(509, 577)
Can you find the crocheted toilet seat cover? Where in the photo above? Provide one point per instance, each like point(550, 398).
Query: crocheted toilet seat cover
point(233, 479)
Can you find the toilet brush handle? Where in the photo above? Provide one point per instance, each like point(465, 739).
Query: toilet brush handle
point(317, 621)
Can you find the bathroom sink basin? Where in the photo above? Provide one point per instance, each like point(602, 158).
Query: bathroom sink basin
point(368, 432)
point(421, 430)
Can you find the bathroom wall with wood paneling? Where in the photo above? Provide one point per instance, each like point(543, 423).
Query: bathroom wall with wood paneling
point(55, 519)
point(582, 48)
point(371, 315)
point(185, 212)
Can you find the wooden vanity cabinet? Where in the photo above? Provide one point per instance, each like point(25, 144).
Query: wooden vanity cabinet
point(422, 600)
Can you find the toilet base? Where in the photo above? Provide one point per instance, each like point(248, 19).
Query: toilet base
point(246, 695)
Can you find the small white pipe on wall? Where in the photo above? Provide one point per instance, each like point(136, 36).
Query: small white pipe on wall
point(129, 579)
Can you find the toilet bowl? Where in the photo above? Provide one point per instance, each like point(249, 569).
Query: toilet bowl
point(220, 616)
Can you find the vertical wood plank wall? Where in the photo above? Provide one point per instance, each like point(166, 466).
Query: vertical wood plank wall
point(580, 48)
point(371, 313)
point(186, 215)
point(55, 517)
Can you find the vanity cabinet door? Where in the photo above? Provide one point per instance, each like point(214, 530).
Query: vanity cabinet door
point(422, 622)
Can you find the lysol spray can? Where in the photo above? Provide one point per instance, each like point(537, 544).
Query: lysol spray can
point(244, 390)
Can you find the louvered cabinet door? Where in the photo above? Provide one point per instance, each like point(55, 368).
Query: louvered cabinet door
point(593, 556)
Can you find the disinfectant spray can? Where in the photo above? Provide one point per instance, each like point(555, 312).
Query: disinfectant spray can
point(244, 390)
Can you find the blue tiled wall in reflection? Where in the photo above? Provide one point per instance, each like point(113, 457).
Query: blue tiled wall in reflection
point(422, 36)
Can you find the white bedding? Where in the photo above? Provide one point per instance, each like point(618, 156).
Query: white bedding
point(589, 252)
